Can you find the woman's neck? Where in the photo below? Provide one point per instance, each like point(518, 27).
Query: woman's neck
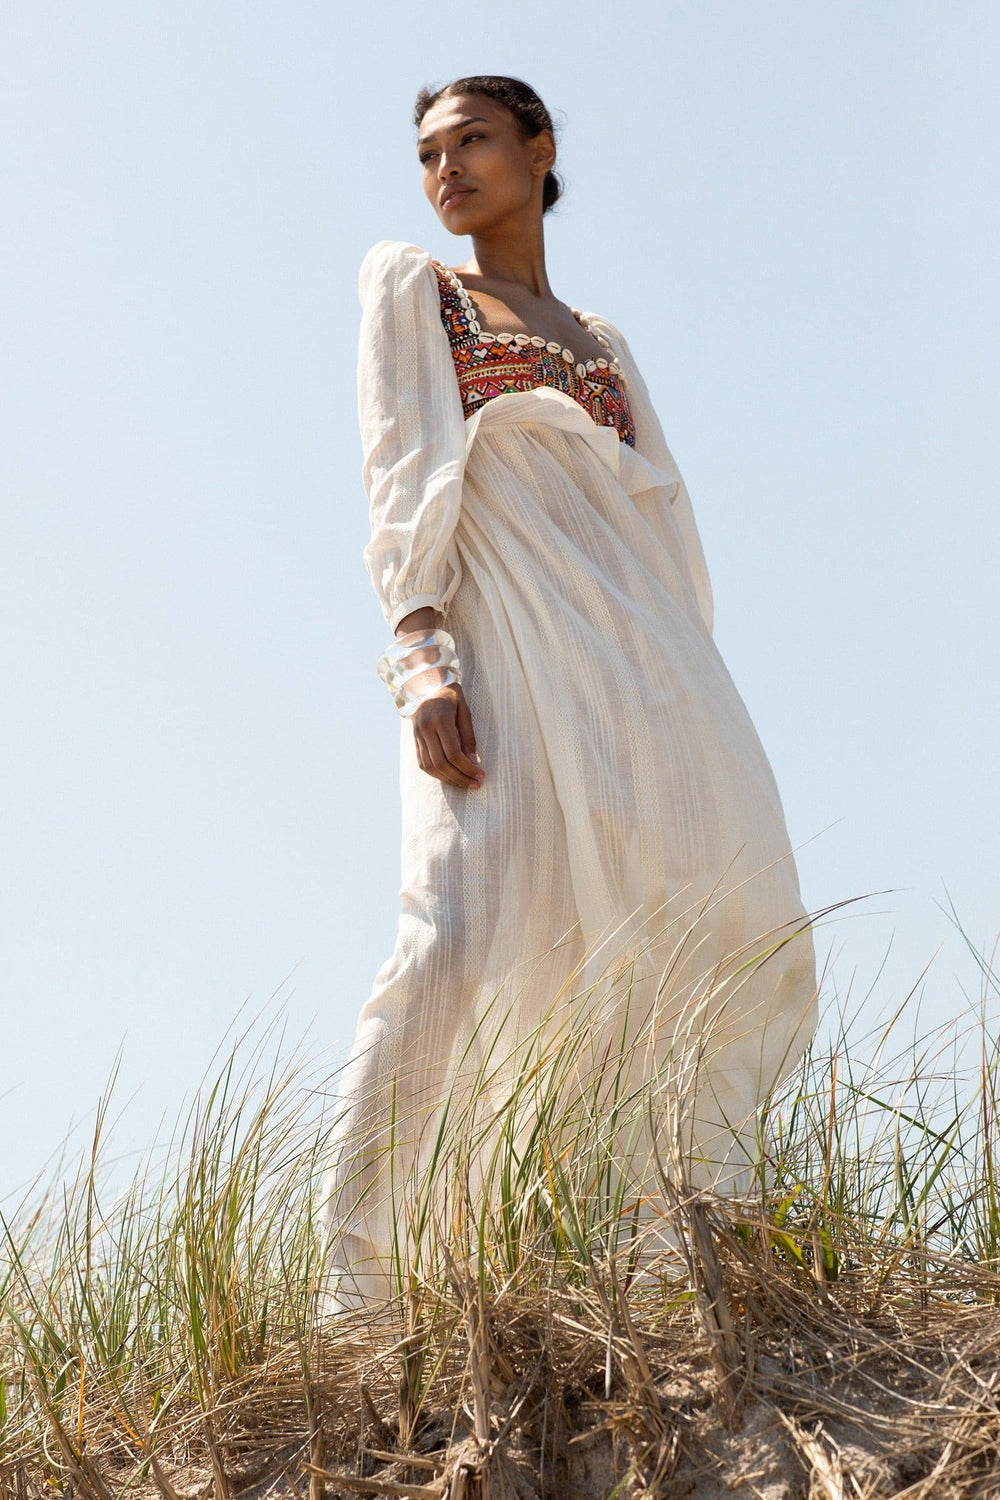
point(517, 257)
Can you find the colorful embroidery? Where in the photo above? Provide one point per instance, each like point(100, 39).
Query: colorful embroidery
point(489, 365)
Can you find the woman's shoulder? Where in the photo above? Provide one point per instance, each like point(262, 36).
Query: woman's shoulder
point(610, 331)
point(391, 262)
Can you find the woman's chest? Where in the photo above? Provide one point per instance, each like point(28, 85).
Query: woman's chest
point(495, 364)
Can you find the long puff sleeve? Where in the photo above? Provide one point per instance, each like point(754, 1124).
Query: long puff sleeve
point(652, 444)
point(412, 432)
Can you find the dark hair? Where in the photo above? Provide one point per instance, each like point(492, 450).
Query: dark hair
point(517, 96)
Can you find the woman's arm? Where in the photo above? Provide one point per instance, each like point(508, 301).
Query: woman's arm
point(412, 432)
point(425, 618)
point(413, 436)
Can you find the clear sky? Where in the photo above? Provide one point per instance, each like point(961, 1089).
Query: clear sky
point(792, 212)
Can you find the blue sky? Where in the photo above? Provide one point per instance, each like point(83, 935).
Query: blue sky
point(792, 212)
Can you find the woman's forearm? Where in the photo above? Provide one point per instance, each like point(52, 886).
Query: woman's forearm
point(425, 618)
point(416, 625)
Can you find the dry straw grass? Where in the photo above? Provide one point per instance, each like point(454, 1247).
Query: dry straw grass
point(832, 1331)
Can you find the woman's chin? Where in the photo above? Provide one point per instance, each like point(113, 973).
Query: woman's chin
point(467, 217)
point(461, 223)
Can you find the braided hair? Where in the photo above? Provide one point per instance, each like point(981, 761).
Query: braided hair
point(517, 96)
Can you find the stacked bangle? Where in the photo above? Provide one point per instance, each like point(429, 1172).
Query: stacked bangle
point(417, 665)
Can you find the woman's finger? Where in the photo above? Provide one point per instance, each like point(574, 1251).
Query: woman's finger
point(466, 733)
point(421, 752)
point(468, 771)
point(438, 764)
point(459, 740)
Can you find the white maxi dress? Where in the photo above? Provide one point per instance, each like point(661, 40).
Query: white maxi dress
point(629, 831)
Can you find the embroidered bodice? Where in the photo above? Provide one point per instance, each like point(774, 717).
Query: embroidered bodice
point(494, 364)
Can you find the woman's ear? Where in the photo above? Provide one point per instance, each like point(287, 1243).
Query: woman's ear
point(543, 153)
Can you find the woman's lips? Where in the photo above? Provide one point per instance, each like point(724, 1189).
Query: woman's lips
point(458, 196)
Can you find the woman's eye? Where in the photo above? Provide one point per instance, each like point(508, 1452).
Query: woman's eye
point(475, 135)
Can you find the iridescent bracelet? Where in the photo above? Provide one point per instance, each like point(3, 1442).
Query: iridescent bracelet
point(417, 665)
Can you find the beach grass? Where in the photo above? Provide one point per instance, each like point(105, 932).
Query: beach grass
point(830, 1330)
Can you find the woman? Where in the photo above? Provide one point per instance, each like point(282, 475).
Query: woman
point(583, 792)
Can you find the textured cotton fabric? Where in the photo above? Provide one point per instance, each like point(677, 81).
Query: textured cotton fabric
point(627, 795)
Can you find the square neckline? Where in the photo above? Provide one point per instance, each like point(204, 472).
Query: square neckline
point(489, 365)
point(610, 366)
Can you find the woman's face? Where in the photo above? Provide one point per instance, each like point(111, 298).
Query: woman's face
point(478, 169)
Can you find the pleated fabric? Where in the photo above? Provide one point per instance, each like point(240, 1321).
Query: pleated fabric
point(629, 822)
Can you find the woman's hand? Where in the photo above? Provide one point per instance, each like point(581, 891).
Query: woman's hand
point(442, 723)
point(445, 742)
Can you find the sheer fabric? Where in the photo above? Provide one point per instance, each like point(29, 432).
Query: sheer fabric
point(628, 805)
